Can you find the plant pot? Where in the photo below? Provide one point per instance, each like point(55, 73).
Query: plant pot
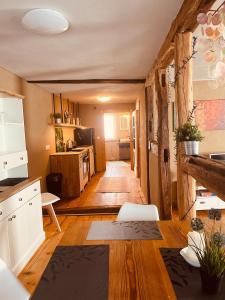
point(191, 147)
point(211, 285)
point(58, 120)
point(67, 120)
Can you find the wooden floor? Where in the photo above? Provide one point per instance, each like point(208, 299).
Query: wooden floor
point(92, 201)
point(31, 275)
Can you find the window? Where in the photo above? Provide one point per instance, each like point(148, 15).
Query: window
point(109, 126)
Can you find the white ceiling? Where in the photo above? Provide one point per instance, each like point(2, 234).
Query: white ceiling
point(106, 39)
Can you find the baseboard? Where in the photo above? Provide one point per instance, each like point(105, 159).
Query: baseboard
point(27, 256)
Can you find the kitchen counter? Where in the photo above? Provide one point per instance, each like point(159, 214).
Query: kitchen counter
point(12, 190)
point(85, 149)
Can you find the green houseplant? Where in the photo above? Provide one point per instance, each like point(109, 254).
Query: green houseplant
point(212, 256)
point(190, 135)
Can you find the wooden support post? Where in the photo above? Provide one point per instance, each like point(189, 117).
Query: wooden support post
point(163, 145)
point(186, 192)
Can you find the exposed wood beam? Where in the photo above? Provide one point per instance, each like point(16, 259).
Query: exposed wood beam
point(209, 173)
point(90, 81)
point(186, 20)
point(184, 101)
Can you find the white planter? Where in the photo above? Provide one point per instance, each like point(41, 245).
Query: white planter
point(191, 147)
point(58, 120)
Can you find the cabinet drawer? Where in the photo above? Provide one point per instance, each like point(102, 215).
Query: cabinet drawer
point(13, 160)
point(14, 202)
point(27, 194)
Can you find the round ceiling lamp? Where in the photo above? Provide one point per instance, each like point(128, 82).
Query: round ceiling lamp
point(104, 99)
point(45, 21)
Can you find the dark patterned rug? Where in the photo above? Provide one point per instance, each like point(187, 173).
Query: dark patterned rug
point(132, 230)
point(185, 278)
point(75, 273)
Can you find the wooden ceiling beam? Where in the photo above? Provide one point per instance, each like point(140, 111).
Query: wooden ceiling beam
point(186, 20)
point(90, 81)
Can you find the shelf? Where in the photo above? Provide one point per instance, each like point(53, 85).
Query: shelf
point(69, 125)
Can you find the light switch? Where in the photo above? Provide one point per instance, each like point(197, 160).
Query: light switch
point(47, 147)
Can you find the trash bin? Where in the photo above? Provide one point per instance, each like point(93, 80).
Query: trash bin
point(54, 184)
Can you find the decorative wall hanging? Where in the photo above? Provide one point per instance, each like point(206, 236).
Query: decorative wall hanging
point(209, 114)
point(211, 44)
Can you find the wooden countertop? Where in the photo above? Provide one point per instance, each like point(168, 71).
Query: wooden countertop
point(136, 268)
point(17, 188)
point(72, 152)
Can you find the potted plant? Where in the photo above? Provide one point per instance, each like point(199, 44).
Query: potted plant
point(57, 118)
point(190, 135)
point(212, 256)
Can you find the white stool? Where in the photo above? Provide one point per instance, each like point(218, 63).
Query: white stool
point(47, 200)
point(11, 288)
point(138, 212)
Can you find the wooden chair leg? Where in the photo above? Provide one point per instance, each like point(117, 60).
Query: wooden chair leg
point(53, 217)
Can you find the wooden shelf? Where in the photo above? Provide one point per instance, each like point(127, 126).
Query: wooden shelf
point(69, 125)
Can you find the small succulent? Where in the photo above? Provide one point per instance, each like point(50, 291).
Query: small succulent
point(214, 214)
point(218, 239)
point(196, 224)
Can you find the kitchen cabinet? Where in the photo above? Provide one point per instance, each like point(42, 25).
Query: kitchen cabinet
point(13, 154)
point(21, 226)
point(74, 169)
point(4, 242)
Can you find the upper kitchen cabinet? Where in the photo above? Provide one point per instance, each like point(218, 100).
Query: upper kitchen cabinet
point(13, 155)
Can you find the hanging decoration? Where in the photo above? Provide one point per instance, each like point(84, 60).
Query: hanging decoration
point(211, 44)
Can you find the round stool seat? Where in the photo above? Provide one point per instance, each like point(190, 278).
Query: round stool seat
point(48, 198)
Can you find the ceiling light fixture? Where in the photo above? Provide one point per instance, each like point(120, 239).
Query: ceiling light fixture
point(45, 21)
point(104, 99)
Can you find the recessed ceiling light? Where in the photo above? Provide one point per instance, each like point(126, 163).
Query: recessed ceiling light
point(104, 99)
point(46, 21)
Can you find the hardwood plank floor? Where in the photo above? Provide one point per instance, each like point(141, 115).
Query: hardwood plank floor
point(90, 199)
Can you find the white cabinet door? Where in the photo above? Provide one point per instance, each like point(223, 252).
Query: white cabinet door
point(14, 160)
point(4, 243)
point(19, 235)
point(35, 221)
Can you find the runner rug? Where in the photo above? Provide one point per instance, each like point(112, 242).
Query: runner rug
point(113, 185)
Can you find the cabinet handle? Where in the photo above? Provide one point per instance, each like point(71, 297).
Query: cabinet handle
point(30, 203)
point(21, 158)
point(20, 199)
point(0, 213)
point(14, 216)
point(10, 219)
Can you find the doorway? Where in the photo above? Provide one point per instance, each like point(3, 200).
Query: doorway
point(117, 133)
